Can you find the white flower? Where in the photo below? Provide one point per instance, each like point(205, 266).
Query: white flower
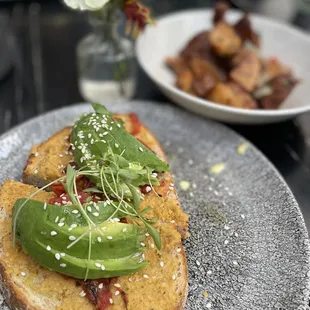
point(90, 5)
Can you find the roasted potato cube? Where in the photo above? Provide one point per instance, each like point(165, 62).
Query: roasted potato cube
point(202, 87)
point(200, 67)
point(224, 40)
point(232, 95)
point(272, 68)
point(247, 72)
point(220, 11)
point(185, 81)
point(245, 31)
point(177, 64)
point(281, 86)
point(240, 56)
point(198, 46)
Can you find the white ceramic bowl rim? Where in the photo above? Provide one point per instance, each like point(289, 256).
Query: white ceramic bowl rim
point(290, 29)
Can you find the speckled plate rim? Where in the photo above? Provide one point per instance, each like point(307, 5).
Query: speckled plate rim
point(258, 153)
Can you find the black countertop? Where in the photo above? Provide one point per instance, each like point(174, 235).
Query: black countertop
point(42, 40)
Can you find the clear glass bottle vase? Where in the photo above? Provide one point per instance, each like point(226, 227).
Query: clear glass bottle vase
point(106, 61)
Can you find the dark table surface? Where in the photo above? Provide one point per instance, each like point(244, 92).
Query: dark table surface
point(42, 38)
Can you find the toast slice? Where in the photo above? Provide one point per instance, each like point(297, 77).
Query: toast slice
point(47, 161)
point(161, 285)
point(27, 285)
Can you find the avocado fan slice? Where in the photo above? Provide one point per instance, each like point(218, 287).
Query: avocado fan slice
point(46, 231)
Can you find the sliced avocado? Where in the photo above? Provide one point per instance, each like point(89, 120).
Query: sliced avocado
point(45, 230)
point(93, 134)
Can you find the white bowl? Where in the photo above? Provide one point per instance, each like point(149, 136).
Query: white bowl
point(173, 31)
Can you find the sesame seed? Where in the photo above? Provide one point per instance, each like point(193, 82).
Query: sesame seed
point(57, 256)
point(216, 193)
point(194, 185)
point(226, 242)
point(22, 274)
point(140, 149)
point(172, 222)
point(161, 264)
point(130, 279)
point(73, 225)
point(145, 276)
point(61, 224)
point(226, 227)
point(208, 305)
point(53, 233)
point(198, 263)
point(210, 188)
point(98, 265)
point(99, 239)
point(89, 135)
point(44, 206)
point(61, 155)
point(72, 238)
point(109, 237)
point(190, 162)
point(116, 293)
point(102, 267)
point(48, 248)
point(148, 189)
point(36, 154)
point(152, 245)
point(89, 209)
point(105, 133)
point(117, 285)
point(96, 214)
point(191, 194)
point(100, 286)
point(242, 216)
point(174, 277)
point(178, 250)
point(235, 262)
point(236, 234)
point(124, 229)
point(142, 244)
point(75, 211)
point(119, 125)
point(230, 193)
point(111, 300)
point(35, 171)
point(82, 294)
point(116, 145)
point(147, 234)
point(209, 272)
point(63, 265)
point(62, 254)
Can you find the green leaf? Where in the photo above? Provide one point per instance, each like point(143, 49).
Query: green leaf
point(92, 190)
point(146, 210)
point(154, 233)
point(135, 195)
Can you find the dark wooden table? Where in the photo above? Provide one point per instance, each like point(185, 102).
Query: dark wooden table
point(42, 39)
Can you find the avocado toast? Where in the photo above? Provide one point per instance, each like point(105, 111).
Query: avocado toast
point(142, 253)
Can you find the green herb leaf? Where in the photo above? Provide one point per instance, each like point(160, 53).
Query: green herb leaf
point(154, 233)
point(135, 195)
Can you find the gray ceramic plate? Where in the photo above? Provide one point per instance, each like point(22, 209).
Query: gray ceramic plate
point(249, 247)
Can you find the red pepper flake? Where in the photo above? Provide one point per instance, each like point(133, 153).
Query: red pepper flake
point(145, 189)
point(99, 293)
point(62, 197)
point(136, 124)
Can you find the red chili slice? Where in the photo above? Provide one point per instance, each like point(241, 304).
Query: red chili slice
point(136, 124)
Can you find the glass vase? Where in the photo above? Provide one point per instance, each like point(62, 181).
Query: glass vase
point(106, 60)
